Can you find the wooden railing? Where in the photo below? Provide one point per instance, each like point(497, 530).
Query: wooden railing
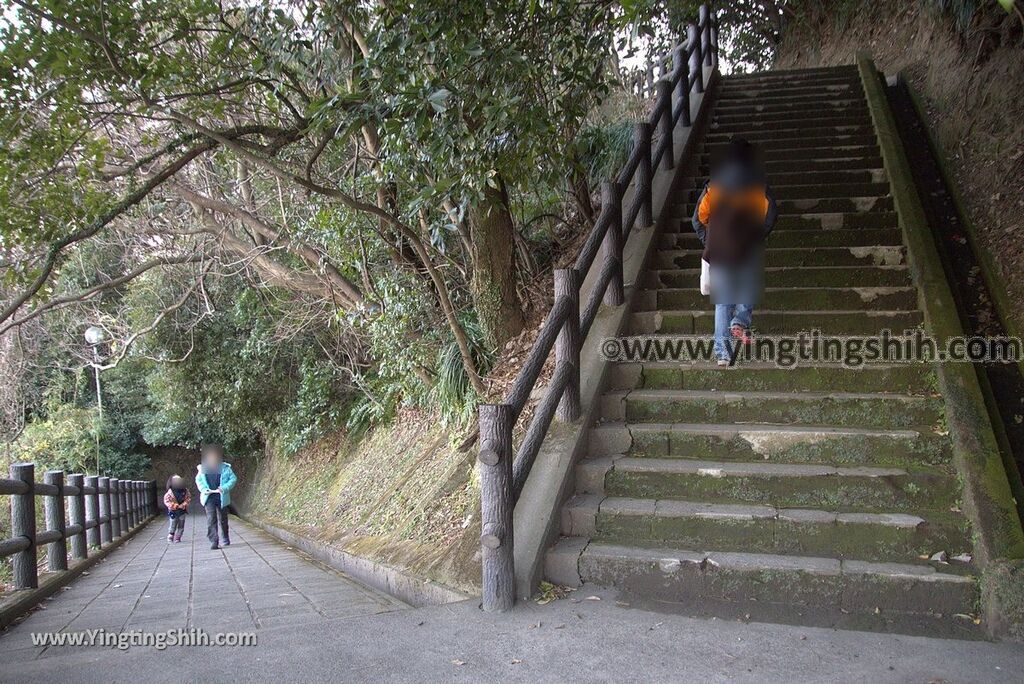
point(98, 510)
point(642, 81)
point(504, 469)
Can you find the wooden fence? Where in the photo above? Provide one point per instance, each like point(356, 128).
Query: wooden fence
point(642, 81)
point(504, 469)
point(98, 511)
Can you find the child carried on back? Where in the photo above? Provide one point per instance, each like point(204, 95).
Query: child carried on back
point(176, 499)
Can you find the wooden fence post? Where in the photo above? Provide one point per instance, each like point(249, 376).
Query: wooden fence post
point(611, 200)
point(92, 510)
point(56, 551)
point(76, 514)
point(693, 39)
point(114, 494)
point(705, 40)
point(682, 66)
point(105, 514)
point(123, 493)
point(714, 40)
point(567, 345)
point(132, 512)
point(668, 160)
point(23, 524)
point(644, 173)
point(496, 505)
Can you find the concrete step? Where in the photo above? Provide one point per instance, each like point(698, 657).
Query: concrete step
point(858, 489)
point(902, 378)
point(820, 409)
point(839, 105)
point(810, 221)
point(782, 87)
point(788, 276)
point(776, 443)
point(744, 126)
point(797, 93)
point(794, 75)
point(794, 256)
point(808, 191)
point(800, 238)
point(826, 205)
point(782, 120)
point(819, 154)
point(774, 166)
point(777, 146)
point(759, 137)
point(819, 178)
point(899, 537)
point(805, 590)
point(775, 322)
point(790, 299)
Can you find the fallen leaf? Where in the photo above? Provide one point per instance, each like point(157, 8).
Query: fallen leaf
point(457, 662)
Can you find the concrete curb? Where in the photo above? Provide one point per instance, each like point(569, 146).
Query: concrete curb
point(18, 603)
point(988, 499)
point(415, 591)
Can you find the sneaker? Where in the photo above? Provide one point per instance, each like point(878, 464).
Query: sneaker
point(214, 546)
point(723, 362)
point(177, 540)
point(226, 542)
point(742, 334)
point(170, 539)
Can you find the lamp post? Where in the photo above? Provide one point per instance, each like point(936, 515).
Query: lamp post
point(94, 337)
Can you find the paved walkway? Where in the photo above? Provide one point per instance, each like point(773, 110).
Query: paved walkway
point(149, 585)
point(316, 625)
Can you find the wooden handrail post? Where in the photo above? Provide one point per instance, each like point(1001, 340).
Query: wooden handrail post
point(106, 526)
point(496, 506)
point(668, 160)
point(714, 39)
point(76, 515)
point(567, 346)
point(92, 510)
point(23, 524)
point(114, 492)
point(53, 505)
point(650, 79)
point(123, 493)
point(704, 15)
point(611, 201)
point(682, 66)
point(644, 172)
point(693, 40)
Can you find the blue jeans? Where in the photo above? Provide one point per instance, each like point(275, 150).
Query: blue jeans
point(726, 316)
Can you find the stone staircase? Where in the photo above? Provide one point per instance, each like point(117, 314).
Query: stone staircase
point(816, 495)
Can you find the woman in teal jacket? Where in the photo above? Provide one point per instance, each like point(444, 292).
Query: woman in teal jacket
point(215, 480)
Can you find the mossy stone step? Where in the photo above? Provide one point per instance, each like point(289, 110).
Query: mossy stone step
point(899, 537)
point(817, 154)
point(790, 276)
point(774, 443)
point(796, 134)
point(900, 378)
point(794, 256)
point(805, 590)
point(820, 88)
point(785, 120)
point(824, 409)
point(792, 74)
point(791, 299)
point(839, 105)
point(801, 238)
point(810, 221)
point(786, 485)
point(778, 146)
point(773, 322)
point(818, 191)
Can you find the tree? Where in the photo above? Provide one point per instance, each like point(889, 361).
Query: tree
point(318, 152)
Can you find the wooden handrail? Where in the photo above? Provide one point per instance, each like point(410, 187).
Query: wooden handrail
point(502, 475)
point(98, 510)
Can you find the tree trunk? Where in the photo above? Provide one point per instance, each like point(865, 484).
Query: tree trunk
point(494, 278)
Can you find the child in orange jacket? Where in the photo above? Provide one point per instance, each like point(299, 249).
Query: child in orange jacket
point(176, 499)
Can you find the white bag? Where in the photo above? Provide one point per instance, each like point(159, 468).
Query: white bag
point(705, 277)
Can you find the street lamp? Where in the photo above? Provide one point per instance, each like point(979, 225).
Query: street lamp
point(94, 337)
